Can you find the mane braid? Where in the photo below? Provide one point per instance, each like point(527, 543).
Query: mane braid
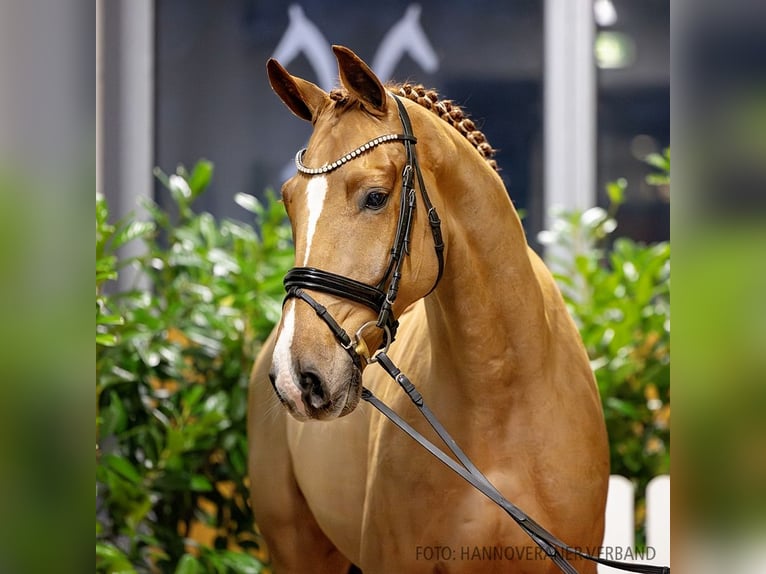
point(445, 109)
point(453, 115)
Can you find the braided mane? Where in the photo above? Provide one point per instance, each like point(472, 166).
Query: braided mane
point(445, 109)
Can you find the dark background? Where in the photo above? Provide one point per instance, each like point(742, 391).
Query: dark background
point(213, 99)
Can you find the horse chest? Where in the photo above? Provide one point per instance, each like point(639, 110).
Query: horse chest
point(419, 517)
point(329, 465)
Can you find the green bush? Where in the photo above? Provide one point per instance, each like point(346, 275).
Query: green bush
point(620, 300)
point(172, 365)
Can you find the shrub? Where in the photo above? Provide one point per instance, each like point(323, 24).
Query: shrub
point(620, 300)
point(172, 365)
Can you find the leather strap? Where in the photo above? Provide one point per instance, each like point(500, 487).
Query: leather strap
point(334, 284)
point(433, 217)
point(549, 543)
point(338, 331)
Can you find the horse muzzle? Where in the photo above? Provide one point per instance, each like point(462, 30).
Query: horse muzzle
point(313, 376)
point(307, 395)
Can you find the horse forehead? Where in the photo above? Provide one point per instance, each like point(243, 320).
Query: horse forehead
point(338, 132)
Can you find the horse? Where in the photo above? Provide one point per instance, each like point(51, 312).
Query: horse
point(481, 330)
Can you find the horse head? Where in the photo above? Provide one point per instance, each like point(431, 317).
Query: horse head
point(349, 208)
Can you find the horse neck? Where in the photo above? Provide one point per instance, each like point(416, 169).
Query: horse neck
point(487, 318)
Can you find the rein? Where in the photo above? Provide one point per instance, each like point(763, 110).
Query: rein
point(463, 467)
point(298, 279)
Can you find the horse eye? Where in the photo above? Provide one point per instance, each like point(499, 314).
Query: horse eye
point(375, 200)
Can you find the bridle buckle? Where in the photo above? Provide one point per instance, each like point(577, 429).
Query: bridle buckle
point(360, 345)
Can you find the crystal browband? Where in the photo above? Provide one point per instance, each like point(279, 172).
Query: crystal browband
point(328, 167)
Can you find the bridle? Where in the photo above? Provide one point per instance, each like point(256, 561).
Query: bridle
point(379, 298)
point(300, 278)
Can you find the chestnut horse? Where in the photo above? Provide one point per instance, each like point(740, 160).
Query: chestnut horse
point(489, 343)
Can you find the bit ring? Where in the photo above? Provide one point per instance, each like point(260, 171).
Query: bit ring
point(361, 348)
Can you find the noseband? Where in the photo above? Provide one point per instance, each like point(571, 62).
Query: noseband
point(379, 298)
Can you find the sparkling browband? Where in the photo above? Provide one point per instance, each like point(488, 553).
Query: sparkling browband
point(328, 167)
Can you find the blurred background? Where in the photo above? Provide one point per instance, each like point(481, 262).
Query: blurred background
point(183, 80)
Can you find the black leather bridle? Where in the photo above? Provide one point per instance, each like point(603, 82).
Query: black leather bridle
point(379, 298)
point(300, 278)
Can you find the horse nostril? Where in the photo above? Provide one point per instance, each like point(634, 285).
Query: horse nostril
point(312, 390)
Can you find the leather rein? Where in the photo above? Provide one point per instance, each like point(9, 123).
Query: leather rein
point(298, 279)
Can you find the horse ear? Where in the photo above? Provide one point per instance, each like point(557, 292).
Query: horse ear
point(303, 98)
point(360, 80)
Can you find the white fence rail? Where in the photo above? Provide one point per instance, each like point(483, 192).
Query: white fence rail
point(619, 537)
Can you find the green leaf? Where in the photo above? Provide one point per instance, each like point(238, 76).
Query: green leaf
point(241, 563)
point(112, 560)
point(188, 564)
point(208, 229)
point(248, 202)
point(179, 188)
point(224, 263)
point(593, 218)
point(200, 177)
point(623, 407)
point(629, 271)
point(114, 416)
point(662, 163)
point(212, 345)
point(657, 179)
point(102, 211)
point(658, 161)
point(134, 230)
point(199, 483)
point(615, 190)
point(111, 320)
point(104, 276)
point(117, 374)
point(122, 466)
point(193, 396)
point(105, 265)
point(162, 177)
point(106, 339)
point(160, 217)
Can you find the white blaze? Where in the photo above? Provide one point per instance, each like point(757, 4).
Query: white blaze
point(286, 377)
point(316, 191)
point(283, 359)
